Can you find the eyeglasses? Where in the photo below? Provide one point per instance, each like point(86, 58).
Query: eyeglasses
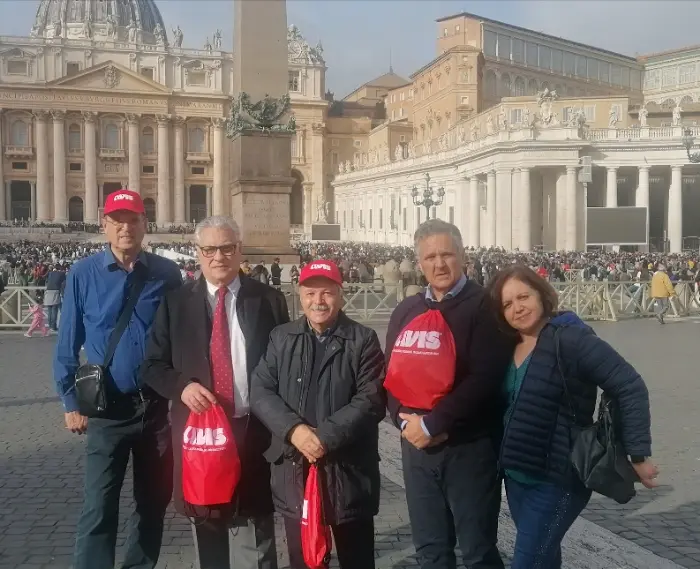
point(116, 223)
point(227, 250)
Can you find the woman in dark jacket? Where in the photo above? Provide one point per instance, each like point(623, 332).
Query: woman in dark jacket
point(547, 408)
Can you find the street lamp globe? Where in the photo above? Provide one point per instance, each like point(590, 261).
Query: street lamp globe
point(688, 139)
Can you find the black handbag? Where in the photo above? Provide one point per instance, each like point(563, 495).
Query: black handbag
point(598, 455)
point(91, 379)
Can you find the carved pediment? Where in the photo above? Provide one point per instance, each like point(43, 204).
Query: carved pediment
point(299, 50)
point(17, 53)
point(110, 76)
point(199, 65)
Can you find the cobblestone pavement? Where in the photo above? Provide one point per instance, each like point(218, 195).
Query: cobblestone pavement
point(41, 464)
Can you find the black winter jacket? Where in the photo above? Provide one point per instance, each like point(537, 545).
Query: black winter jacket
point(349, 406)
point(538, 437)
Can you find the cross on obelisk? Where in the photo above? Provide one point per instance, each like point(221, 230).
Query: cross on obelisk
point(261, 179)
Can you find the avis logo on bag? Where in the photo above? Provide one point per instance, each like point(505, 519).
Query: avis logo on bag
point(422, 366)
point(424, 339)
point(211, 467)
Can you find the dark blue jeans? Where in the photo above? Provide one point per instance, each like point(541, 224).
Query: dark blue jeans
point(141, 430)
point(542, 513)
point(53, 316)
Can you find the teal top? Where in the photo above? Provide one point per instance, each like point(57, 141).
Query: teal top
point(511, 387)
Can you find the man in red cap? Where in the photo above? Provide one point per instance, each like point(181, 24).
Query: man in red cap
point(319, 392)
point(109, 304)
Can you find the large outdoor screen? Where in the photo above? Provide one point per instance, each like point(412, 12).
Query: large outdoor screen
point(616, 226)
point(325, 232)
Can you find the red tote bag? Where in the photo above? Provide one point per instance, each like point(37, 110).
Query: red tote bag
point(422, 366)
point(316, 541)
point(211, 467)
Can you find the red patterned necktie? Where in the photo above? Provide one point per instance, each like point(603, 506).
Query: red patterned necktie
point(220, 352)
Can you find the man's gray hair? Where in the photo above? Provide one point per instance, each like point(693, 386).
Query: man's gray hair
point(438, 227)
point(218, 222)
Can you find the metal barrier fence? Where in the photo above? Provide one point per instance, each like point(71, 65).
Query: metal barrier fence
point(373, 303)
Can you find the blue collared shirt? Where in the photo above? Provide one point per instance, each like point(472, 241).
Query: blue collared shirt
point(454, 291)
point(95, 293)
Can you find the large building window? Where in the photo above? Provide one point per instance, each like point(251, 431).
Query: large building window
point(652, 79)
point(196, 139)
point(74, 138)
point(518, 48)
point(668, 77)
point(545, 57)
point(490, 85)
point(490, 43)
point(593, 69)
point(504, 90)
point(604, 72)
point(19, 134)
point(197, 78)
point(532, 87)
point(112, 137)
point(569, 63)
point(557, 61)
point(532, 59)
point(687, 74)
point(17, 67)
point(503, 47)
point(294, 81)
point(581, 66)
point(518, 89)
point(147, 139)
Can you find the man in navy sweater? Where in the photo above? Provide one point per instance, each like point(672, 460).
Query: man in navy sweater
point(449, 452)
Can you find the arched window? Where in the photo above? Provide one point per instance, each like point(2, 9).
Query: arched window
point(490, 85)
point(504, 90)
point(19, 134)
point(532, 87)
point(196, 140)
point(74, 138)
point(112, 137)
point(519, 87)
point(147, 144)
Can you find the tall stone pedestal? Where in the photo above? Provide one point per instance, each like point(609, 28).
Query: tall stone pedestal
point(260, 189)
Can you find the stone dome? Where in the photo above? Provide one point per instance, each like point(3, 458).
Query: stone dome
point(86, 19)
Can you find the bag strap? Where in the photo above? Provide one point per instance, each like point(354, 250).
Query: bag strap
point(134, 292)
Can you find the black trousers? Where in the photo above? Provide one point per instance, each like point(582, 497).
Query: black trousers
point(139, 429)
point(353, 541)
point(454, 495)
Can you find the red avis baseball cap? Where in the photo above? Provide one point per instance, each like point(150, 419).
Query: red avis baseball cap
point(321, 268)
point(123, 200)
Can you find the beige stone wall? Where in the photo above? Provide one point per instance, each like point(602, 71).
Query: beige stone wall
point(458, 31)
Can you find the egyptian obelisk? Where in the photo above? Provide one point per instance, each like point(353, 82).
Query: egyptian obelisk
point(261, 166)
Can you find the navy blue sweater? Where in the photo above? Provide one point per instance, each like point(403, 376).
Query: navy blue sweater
point(537, 439)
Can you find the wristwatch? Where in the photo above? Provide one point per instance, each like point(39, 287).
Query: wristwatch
point(636, 459)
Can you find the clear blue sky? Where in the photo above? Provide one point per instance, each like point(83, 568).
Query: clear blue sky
point(357, 35)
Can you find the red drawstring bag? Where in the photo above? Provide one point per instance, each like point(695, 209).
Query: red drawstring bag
point(211, 467)
point(316, 542)
point(422, 366)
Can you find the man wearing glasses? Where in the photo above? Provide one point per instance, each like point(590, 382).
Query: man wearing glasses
point(135, 422)
point(207, 339)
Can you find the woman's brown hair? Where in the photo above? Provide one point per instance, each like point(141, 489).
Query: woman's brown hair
point(548, 295)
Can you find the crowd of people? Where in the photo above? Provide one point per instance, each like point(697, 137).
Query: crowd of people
point(236, 413)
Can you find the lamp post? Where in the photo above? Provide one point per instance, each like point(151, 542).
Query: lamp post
point(688, 142)
point(428, 201)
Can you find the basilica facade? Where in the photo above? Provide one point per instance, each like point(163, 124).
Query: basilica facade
point(504, 120)
point(100, 96)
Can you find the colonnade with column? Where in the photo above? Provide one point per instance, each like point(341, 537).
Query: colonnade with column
point(50, 202)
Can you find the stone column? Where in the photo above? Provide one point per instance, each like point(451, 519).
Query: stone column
point(611, 188)
point(491, 209)
point(32, 214)
point(474, 227)
point(134, 152)
point(60, 208)
point(91, 204)
point(571, 209)
point(43, 198)
point(179, 176)
point(7, 186)
point(218, 197)
point(641, 198)
point(504, 209)
point(3, 197)
point(675, 210)
point(525, 210)
point(163, 216)
point(317, 164)
point(209, 203)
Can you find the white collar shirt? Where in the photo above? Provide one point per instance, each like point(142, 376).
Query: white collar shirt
point(238, 358)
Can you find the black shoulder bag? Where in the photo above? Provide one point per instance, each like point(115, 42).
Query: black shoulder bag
point(91, 379)
point(598, 455)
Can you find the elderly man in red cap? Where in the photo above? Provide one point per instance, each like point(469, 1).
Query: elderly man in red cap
point(319, 392)
point(109, 304)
